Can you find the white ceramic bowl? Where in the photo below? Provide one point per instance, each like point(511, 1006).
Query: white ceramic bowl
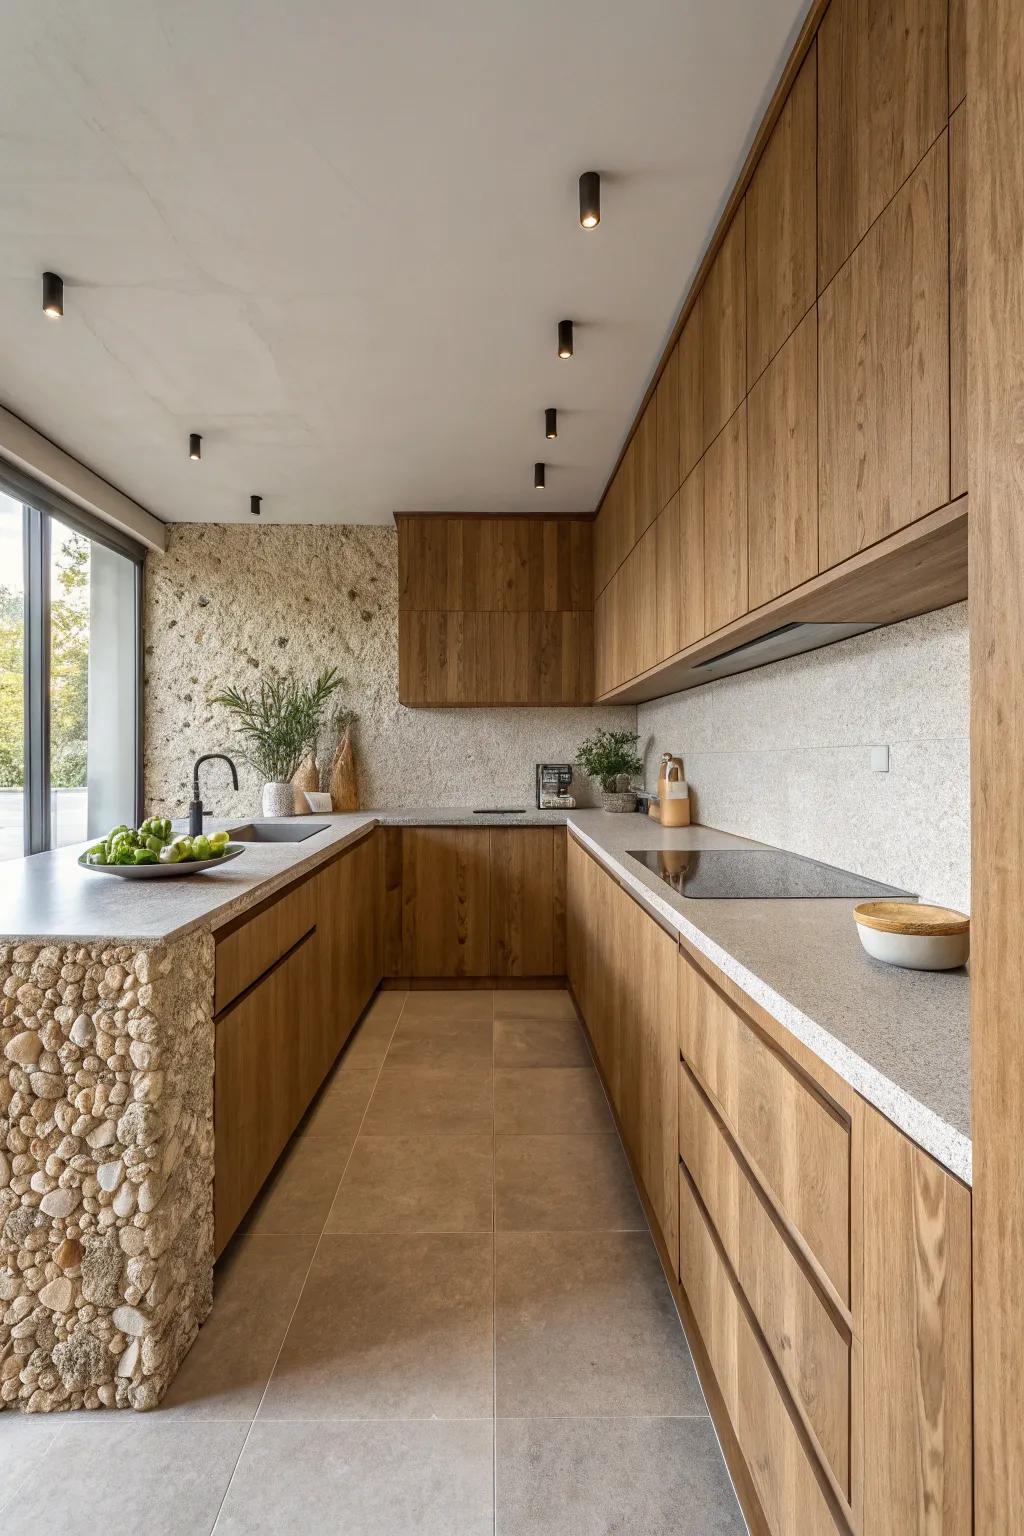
point(918, 937)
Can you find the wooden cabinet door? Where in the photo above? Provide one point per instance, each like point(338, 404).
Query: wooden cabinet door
point(645, 504)
point(725, 524)
point(917, 1339)
point(527, 901)
point(445, 901)
point(782, 468)
point(782, 226)
point(958, 302)
point(649, 1039)
point(679, 567)
point(724, 330)
point(666, 408)
point(882, 102)
point(883, 375)
point(691, 391)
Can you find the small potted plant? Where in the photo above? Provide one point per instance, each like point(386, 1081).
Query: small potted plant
point(278, 723)
point(611, 760)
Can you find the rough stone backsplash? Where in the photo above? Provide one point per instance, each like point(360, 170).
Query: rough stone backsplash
point(225, 602)
point(106, 1169)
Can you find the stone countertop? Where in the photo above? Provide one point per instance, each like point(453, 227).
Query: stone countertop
point(900, 1038)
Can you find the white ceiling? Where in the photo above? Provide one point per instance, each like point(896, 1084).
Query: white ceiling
point(336, 239)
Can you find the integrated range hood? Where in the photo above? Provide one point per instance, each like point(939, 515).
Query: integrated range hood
point(787, 640)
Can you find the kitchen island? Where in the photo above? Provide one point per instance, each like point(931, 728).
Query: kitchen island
point(112, 994)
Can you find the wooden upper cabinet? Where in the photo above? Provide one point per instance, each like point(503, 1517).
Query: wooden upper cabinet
point(782, 226)
point(679, 568)
point(883, 100)
point(666, 409)
point(645, 472)
point(724, 330)
point(725, 524)
point(690, 369)
point(494, 564)
point(782, 468)
point(958, 302)
point(883, 378)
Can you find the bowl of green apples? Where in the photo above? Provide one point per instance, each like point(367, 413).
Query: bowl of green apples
point(153, 851)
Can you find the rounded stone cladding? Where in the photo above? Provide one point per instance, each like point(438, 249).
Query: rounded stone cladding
point(106, 1168)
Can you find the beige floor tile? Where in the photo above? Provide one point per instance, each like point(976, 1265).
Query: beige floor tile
point(540, 1043)
point(256, 1286)
point(442, 1043)
point(585, 1327)
point(25, 1445)
point(458, 1003)
point(128, 1472)
point(368, 1044)
point(415, 1479)
point(409, 1101)
point(416, 1184)
point(540, 1003)
point(555, 1101)
point(296, 1198)
point(338, 1108)
point(658, 1477)
point(564, 1184)
point(390, 1328)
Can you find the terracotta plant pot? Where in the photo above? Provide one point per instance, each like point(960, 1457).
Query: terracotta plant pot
point(306, 776)
point(344, 785)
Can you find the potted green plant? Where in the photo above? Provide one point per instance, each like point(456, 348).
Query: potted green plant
point(611, 760)
point(278, 723)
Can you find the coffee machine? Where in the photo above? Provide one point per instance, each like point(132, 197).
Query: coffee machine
point(554, 787)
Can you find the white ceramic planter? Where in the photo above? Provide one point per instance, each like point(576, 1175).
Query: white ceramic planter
point(278, 800)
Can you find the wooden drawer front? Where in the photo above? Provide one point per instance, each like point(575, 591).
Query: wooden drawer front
point(259, 1093)
point(245, 953)
point(782, 1469)
point(811, 1352)
point(797, 1143)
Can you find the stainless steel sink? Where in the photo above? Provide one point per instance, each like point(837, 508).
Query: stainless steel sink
point(277, 831)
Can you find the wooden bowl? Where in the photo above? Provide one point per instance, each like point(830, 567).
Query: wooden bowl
point(914, 935)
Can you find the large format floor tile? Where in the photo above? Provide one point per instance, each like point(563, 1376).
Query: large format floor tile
point(467, 1003)
point(390, 1328)
point(338, 1108)
point(435, 1042)
point(556, 1101)
point(369, 1042)
point(25, 1452)
point(256, 1286)
point(564, 1184)
point(125, 1472)
point(540, 1043)
point(539, 1003)
point(430, 1101)
point(416, 1184)
point(296, 1198)
point(585, 1326)
point(404, 1479)
point(592, 1477)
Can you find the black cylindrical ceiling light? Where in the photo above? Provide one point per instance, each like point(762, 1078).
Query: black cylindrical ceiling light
point(551, 422)
point(195, 446)
point(565, 338)
point(53, 295)
point(255, 502)
point(590, 199)
point(538, 477)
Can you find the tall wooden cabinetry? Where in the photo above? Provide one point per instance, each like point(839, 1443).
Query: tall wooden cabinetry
point(495, 610)
point(819, 379)
point(823, 1259)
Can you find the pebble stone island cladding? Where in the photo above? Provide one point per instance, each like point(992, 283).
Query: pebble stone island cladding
point(106, 1169)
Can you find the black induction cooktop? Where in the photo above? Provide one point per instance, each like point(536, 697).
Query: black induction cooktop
point(755, 874)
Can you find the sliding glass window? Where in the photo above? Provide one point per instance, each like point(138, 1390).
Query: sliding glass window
point(70, 730)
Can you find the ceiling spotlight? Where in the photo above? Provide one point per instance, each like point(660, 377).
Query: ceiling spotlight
point(53, 295)
point(195, 449)
point(551, 422)
point(565, 338)
point(538, 477)
point(255, 502)
point(590, 199)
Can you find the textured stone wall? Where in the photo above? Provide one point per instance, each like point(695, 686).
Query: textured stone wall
point(783, 754)
point(106, 1169)
point(226, 602)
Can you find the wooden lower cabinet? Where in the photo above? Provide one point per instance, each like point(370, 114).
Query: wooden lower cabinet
point(446, 929)
point(527, 901)
point(852, 1406)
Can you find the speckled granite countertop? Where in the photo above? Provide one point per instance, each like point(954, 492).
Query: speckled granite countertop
point(900, 1038)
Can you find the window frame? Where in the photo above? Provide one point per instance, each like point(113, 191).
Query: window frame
point(41, 506)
